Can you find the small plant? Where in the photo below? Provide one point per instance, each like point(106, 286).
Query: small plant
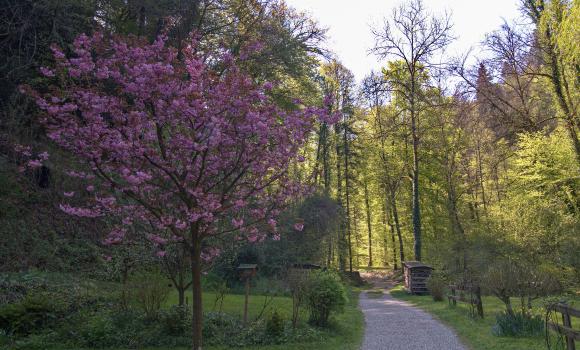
point(326, 294)
point(275, 325)
point(436, 285)
point(518, 325)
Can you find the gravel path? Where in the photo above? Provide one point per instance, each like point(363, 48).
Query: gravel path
point(393, 324)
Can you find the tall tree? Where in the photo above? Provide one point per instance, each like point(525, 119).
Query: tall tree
point(193, 152)
point(548, 16)
point(413, 36)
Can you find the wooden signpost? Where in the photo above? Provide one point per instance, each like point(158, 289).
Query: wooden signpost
point(247, 271)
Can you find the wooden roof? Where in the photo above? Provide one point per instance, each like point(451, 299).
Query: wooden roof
point(415, 264)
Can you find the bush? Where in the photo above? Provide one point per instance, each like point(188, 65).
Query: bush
point(326, 294)
point(175, 321)
point(32, 313)
point(149, 290)
point(275, 325)
point(436, 285)
point(518, 325)
point(221, 328)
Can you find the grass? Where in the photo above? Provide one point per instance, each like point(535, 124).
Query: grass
point(474, 333)
point(345, 331)
point(233, 304)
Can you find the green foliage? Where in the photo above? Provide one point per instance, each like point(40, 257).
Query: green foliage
point(149, 291)
point(176, 320)
point(436, 285)
point(326, 294)
point(518, 325)
point(33, 313)
point(275, 325)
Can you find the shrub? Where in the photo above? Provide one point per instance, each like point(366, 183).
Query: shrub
point(326, 294)
point(175, 321)
point(221, 328)
point(275, 325)
point(436, 285)
point(32, 313)
point(149, 290)
point(518, 325)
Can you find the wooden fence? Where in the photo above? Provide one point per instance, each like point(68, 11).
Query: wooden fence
point(564, 330)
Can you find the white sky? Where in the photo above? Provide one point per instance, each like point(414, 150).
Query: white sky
point(349, 22)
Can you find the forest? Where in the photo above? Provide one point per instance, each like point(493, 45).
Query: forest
point(207, 172)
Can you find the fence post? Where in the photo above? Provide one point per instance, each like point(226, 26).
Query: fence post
point(454, 295)
point(568, 323)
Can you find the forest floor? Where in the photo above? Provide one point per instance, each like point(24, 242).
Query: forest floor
point(392, 324)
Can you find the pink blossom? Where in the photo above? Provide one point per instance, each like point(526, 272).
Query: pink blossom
point(69, 194)
point(46, 72)
point(114, 237)
point(80, 212)
point(180, 224)
point(157, 239)
point(237, 223)
point(34, 163)
point(161, 253)
point(276, 237)
point(298, 226)
point(210, 253)
point(240, 203)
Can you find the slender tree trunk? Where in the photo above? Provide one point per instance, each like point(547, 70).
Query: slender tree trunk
point(480, 171)
point(347, 193)
point(369, 226)
point(341, 229)
point(416, 202)
point(318, 155)
point(398, 229)
point(456, 226)
point(389, 217)
point(197, 322)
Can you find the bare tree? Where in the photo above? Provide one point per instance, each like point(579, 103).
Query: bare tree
point(413, 35)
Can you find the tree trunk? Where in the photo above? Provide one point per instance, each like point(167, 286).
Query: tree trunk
point(347, 192)
point(341, 238)
point(369, 226)
point(416, 203)
point(181, 296)
point(480, 176)
point(197, 322)
point(389, 215)
point(508, 306)
point(398, 229)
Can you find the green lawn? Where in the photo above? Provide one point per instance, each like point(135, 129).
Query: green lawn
point(345, 332)
point(473, 332)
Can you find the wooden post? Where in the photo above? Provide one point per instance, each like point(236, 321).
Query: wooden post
point(454, 295)
point(568, 323)
point(479, 302)
point(246, 301)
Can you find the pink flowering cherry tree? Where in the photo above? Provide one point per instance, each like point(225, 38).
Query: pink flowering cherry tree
point(191, 150)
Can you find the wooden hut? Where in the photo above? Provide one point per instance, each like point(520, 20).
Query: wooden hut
point(416, 274)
